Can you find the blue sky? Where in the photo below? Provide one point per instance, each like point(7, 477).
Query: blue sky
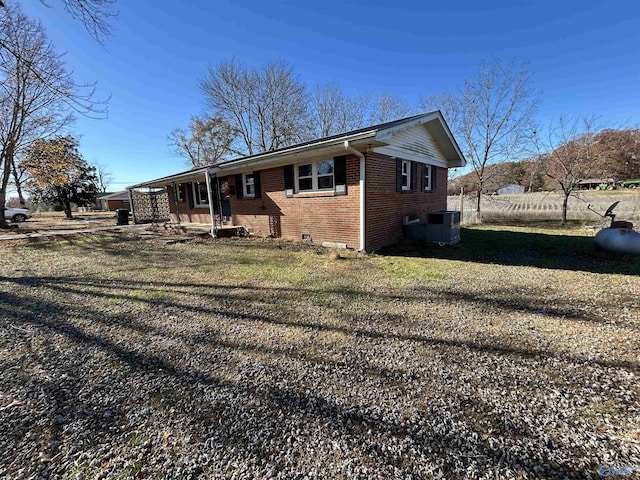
point(584, 57)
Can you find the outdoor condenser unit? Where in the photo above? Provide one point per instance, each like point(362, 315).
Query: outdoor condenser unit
point(443, 227)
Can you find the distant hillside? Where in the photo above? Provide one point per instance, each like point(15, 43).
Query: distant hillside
point(526, 173)
point(620, 150)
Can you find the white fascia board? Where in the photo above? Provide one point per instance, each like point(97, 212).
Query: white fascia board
point(291, 156)
point(178, 178)
point(385, 134)
point(407, 155)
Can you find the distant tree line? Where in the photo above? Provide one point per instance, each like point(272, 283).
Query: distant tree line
point(254, 110)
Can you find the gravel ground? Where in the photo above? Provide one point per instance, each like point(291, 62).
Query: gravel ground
point(130, 357)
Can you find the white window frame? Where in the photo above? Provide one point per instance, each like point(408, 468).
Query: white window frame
point(197, 201)
point(407, 174)
point(181, 192)
point(314, 176)
point(428, 186)
point(244, 185)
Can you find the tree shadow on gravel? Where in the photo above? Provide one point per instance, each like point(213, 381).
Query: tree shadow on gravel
point(226, 302)
point(356, 422)
point(499, 299)
point(508, 247)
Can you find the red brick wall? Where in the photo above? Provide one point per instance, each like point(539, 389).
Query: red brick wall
point(188, 215)
point(326, 217)
point(385, 207)
point(113, 205)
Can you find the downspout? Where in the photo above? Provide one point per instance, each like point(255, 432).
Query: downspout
point(214, 232)
point(175, 201)
point(362, 197)
point(133, 209)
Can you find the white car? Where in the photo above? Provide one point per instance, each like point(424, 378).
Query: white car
point(17, 214)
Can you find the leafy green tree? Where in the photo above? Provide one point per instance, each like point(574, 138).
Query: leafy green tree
point(58, 174)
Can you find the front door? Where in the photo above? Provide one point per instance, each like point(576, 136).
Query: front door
point(225, 199)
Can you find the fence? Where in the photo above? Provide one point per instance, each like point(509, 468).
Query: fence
point(548, 206)
point(151, 206)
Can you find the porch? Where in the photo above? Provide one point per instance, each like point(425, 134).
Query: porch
point(224, 231)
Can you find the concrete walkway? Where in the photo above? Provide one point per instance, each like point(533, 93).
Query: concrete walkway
point(62, 233)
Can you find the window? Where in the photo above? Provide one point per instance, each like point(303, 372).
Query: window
point(200, 194)
point(181, 192)
point(315, 176)
point(249, 182)
point(325, 175)
point(406, 175)
point(305, 177)
point(427, 179)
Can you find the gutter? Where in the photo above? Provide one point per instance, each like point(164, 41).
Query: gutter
point(349, 148)
point(312, 149)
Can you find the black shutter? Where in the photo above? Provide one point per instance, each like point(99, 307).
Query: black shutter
point(434, 169)
point(188, 191)
point(239, 186)
point(288, 180)
point(340, 174)
point(398, 175)
point(257, 185)
point(414, 175)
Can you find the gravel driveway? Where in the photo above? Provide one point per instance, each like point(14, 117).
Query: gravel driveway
point(128, 357)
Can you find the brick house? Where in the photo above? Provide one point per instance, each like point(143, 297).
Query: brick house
point(352, 189)
point(112, 201)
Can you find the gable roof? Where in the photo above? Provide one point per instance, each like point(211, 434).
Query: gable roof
point(376, 137)
point(121, 195)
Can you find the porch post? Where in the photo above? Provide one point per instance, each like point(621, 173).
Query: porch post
point(219, 198)
point(175, 200)
point(133, 208)
point(214, 232)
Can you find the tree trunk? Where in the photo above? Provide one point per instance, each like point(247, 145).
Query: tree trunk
point(478, 199)
point(565, 202)
point(18, 184)
point(3, 198)
point(6, 164)
point(67, 210)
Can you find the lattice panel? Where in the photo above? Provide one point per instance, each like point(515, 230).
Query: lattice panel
point(151, 207)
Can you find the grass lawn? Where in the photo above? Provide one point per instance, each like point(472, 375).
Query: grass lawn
point(512, 355)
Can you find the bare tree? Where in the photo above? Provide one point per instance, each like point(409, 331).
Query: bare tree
point(103, 176)
point(18, 173)
point(35, 90)
point(387, 107)
point(570, 154)
point(331, 111)
point(207, 141)
point(266, 107)
point(492, 116)
point(94, 15)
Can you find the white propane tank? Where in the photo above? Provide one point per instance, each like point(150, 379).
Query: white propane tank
point(619, 240)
